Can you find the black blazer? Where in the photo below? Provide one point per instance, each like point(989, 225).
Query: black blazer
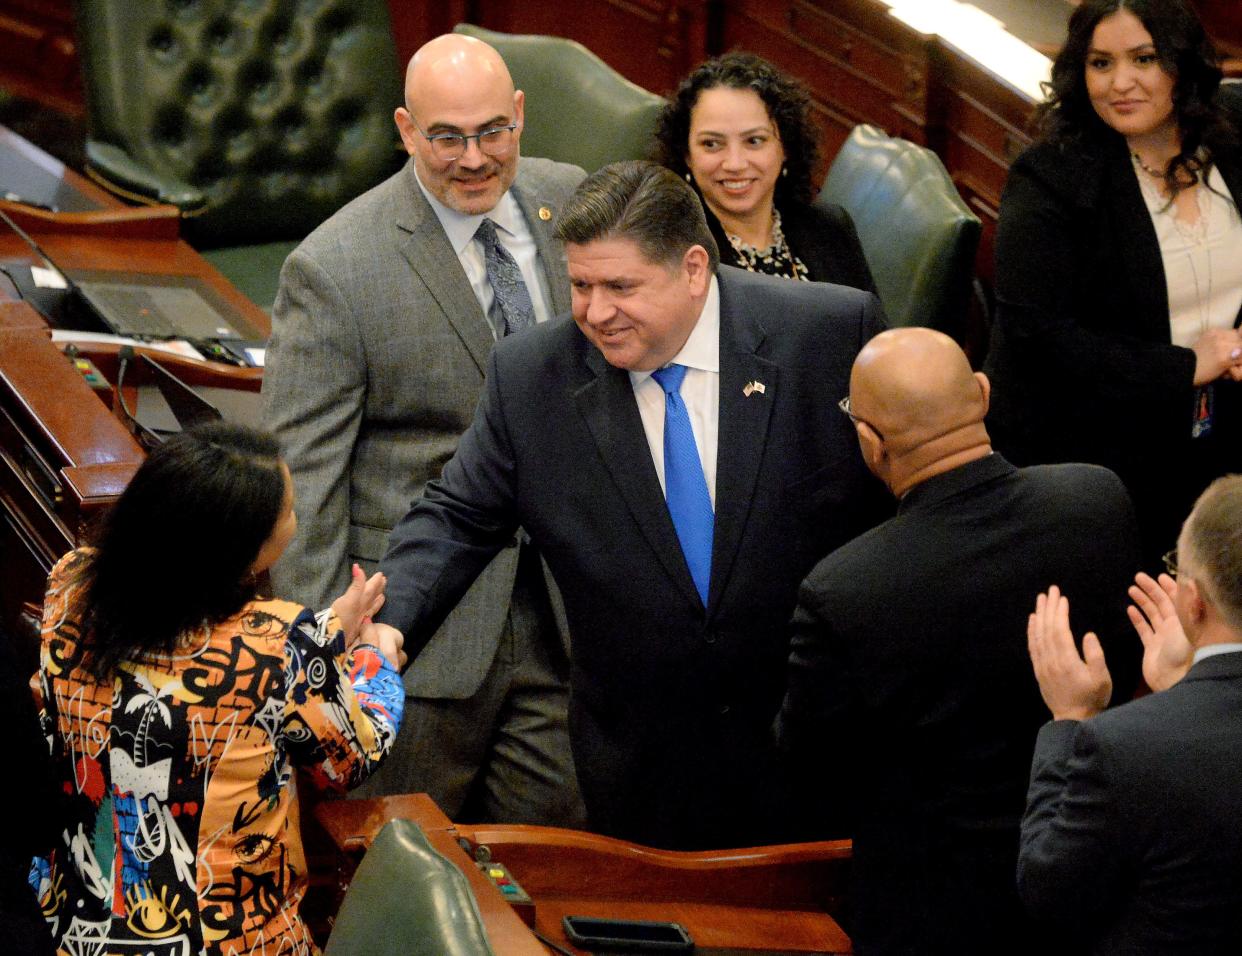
point(911, 690)
point(1081, 360)
point(822, 235)
point(671, 703)
point(1131, 839)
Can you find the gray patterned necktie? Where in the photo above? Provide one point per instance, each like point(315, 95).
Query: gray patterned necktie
point(512, 296)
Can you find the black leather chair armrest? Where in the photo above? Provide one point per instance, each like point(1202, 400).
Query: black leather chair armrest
point(120, 174)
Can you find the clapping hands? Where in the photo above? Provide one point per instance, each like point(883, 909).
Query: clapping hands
point(1074, 687)
point(1167, 653)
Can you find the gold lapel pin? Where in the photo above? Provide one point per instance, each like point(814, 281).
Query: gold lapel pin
point(545, 213)
point(751, 387)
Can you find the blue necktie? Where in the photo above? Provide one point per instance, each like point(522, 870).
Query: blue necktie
point(689, 503)
point(511, 294)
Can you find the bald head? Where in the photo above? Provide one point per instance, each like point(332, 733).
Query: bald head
point(914, 392)
point(459, 85)
point(454, 63)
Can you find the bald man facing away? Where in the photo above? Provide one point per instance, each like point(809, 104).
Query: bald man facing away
point(910, 691)
point(381, 332)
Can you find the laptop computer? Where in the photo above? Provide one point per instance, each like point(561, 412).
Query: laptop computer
point(143, 305)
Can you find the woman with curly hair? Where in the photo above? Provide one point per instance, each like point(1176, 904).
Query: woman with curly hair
point(179, 703)
point(741, 133)
point(1119, 265)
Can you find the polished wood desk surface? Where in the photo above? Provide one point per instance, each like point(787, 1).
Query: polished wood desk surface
point(764, 899)
point(64, 452)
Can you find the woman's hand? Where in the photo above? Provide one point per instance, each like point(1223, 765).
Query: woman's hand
point(388, 639)
point(1218, 353)
point(362, 599)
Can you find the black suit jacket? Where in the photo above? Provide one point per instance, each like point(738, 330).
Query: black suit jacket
point(1081, 360)
point(822, 235)
point(1131, 839)
point(671, 702)
point(911, 690)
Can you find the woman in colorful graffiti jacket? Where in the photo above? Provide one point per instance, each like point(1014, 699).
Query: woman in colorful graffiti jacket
point(178, 703)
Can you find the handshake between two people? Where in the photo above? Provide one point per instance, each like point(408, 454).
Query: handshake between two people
point(355, 609)
point(1078, 686)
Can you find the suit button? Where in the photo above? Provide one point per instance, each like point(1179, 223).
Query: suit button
point(724, 709)
point(709, 637)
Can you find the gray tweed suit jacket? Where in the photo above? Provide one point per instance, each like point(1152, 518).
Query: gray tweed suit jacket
point(374, 368)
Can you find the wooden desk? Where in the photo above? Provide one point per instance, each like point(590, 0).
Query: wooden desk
point(63, 454)
point(766, 899)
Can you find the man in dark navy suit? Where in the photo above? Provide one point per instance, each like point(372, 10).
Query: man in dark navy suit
point(678, 549)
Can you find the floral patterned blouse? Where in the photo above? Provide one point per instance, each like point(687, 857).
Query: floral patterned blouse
point(181, 833)
point(775, 260)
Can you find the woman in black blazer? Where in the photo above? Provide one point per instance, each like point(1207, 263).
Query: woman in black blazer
point(1127, 202)
point(741, 133)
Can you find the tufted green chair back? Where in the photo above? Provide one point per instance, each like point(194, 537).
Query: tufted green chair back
point(260, 118)
point(578, 109)
point(407, 900)
point(919, 236)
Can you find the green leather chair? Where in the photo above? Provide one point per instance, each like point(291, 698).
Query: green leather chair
point(258, 119)
point(407, 900)
point(578, 109)
point(919, 237)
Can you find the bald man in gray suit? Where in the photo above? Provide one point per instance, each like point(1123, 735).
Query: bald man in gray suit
point(382, 329)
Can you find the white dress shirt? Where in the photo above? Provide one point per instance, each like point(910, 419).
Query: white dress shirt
point(1213, 649)
point(1201, 260)
point(512, 233)
point(700, 392)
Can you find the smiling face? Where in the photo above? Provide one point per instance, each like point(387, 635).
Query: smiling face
point(1127, 84)
point(735, 153)
point(461, 88)
point(638, 313)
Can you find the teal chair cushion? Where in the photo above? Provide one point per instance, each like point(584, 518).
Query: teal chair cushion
point(919, 237)
point(253, 269)
point(407, 900)
point(578, 109)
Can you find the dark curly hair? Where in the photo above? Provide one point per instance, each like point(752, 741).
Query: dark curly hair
point(1185, 53)
point(788, 104)
point(175, 551)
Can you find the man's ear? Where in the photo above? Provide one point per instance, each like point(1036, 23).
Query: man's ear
point(405, 126)
point(985, 389)
point(872, 447)
point(698, 269)
point(1194, 600)
point(519, 111)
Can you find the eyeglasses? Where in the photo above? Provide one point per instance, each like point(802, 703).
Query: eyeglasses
point(1170, 562)
point(844, 405)
point(494, 141)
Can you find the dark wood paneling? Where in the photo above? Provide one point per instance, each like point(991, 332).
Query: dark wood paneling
point(40, 55)
point(651, 42)
point(860, 65)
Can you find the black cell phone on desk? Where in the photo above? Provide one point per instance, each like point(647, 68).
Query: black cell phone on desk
point(594, 932)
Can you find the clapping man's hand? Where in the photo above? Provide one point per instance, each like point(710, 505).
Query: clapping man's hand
point(1074, 687)
point(1167, 653)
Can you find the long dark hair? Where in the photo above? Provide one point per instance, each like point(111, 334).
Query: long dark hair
point(788, 104)
point(1185, 53)
point(174, 553)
